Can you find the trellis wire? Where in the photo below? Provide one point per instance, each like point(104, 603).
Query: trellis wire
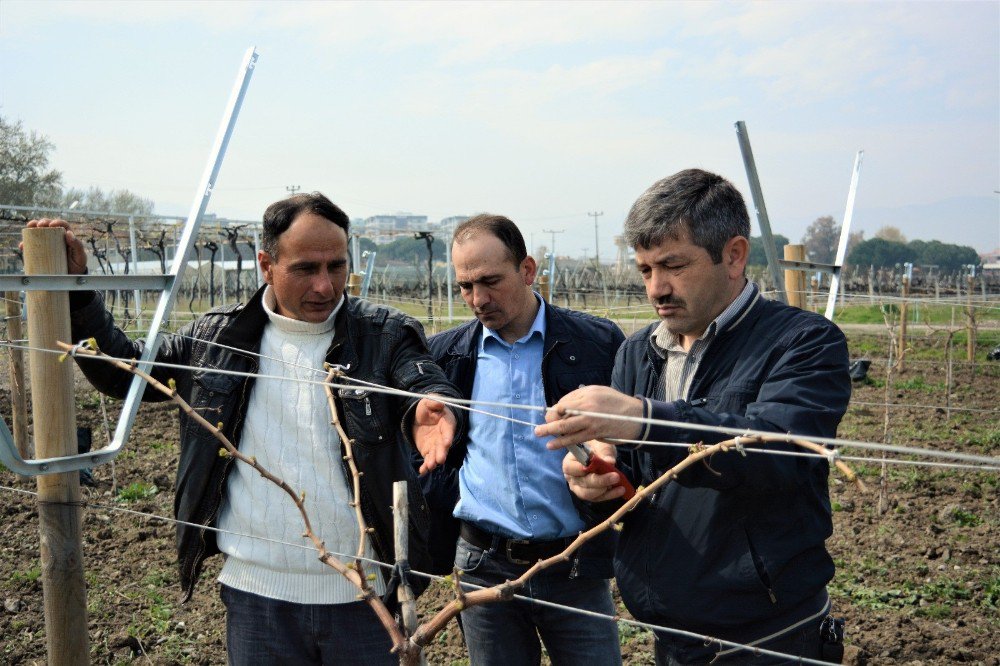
point(467, 404)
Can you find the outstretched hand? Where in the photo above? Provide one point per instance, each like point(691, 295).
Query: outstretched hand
point(76, 255)
point(433, 431)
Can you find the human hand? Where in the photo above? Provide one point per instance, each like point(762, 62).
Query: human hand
point(433, 431)
point(76, 255)
point(568, 429)
point(593, 487)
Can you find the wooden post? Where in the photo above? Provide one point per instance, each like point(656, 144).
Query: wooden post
point(970, 345)
point(59, 514)
point(354, 284)
point(901, 348)
point(813, 287)
point(795, 279)
point(401, 523)
point(18, 390)
point(544, 287)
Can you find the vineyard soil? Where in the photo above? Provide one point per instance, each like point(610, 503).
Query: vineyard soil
point(918, 570)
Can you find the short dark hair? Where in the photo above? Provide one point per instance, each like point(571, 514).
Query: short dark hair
point(280, 215)
point(705, 204)
point(496, 225)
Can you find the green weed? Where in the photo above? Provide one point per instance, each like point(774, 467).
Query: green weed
point(965, 518)
point(137, 490)
point(29, 576)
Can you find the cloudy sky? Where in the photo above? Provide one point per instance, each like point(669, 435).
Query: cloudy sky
point(540, 111)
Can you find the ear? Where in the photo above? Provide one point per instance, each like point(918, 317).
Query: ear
point(529, 269)
point(735, 255)
point(266, 266)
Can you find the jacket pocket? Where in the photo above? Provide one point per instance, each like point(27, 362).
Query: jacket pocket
point(213, 394)
point(731, 397)
point(364, 415)
point(760, 568)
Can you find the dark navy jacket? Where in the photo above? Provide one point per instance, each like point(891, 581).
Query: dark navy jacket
point(579, 350)
point(741, 553)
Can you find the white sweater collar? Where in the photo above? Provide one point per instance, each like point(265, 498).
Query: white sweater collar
point(289, 325)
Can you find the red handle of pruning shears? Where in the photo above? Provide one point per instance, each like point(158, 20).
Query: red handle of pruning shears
point(597, 465)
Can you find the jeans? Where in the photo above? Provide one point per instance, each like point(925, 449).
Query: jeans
point(506, 633)
point(264, 632)
point(802, 642)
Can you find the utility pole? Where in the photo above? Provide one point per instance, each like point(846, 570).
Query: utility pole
point(597, 246)
point(292, 190)
point(553, 232)
point(552, 262)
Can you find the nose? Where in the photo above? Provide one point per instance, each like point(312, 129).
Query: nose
point(480, 296)
point(322, 283)
point(658, 286)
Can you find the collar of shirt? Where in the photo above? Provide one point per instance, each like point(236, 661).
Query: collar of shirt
point(664, 340)
point(537, 326)
point(289, 325)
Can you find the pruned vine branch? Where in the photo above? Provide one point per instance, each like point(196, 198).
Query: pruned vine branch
point(410, 648)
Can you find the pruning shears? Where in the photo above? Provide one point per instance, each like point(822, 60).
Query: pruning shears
point(598, 465)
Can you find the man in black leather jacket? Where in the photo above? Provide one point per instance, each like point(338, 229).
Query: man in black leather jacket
point(513, 505)
point(734, 549)
point(304, 315)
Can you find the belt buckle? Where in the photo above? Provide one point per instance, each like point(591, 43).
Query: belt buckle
point(510, 556)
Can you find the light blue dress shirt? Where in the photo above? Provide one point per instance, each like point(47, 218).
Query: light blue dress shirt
point(510, 484)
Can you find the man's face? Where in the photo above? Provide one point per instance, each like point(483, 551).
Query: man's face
point(686, 287)
point(310, 273)
point(496, 290)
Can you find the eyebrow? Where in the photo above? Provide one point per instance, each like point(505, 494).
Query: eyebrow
point(664, 259)
point(314, 264)
point(482, 278)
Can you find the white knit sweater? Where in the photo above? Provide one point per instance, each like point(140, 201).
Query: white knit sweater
point(288, 429)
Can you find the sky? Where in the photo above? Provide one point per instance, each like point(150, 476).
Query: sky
point(543, 112)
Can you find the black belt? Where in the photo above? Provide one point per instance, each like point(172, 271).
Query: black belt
point(517, 551)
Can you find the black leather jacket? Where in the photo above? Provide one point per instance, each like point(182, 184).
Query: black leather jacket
point(377, 344)
point(579, 350)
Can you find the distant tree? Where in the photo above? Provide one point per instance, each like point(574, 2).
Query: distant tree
point(411, 249)
point(854, 239)
point(25, 176)
point(947, 257)
point(821, 240)
point(114, 201)
point(891, 233)
point(758, 257)
point(880, 253)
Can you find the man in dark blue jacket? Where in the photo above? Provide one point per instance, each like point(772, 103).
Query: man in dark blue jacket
point(513, 504)
point(733, 550)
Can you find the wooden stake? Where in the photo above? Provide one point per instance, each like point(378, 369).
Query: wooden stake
point(545, 287)
point(901, 347)
point(354, 284)
point(970, 344)
point(795, 279)
point(18, 390)
point(401, 533)
point(59, 514)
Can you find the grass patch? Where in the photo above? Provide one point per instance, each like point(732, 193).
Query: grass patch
point(29, 576)
point(965, 518)
point(137, 490)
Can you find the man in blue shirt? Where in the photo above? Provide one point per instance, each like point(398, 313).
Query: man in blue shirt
point(514, 506)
